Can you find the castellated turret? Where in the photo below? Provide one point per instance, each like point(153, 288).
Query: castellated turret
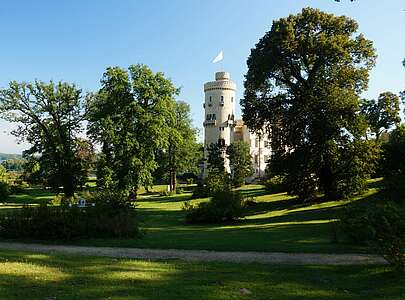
point(219, 108)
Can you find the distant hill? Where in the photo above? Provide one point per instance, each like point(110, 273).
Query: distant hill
point(5, 156)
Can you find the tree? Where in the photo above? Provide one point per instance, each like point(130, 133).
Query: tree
point(129, 117)
point(303, 84)
point(394, 164)
point(181, 154)
point(49, 117)
point(217, 179)
point(240, 161)
point(13, 164)
point(3, 173)
point(382, 114)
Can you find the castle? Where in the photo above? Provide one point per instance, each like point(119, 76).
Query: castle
point(220, 125)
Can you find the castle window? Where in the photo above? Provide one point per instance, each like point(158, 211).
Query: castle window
point(231, 99)
point(210, 99)
point(221, 142)
point(222, 101)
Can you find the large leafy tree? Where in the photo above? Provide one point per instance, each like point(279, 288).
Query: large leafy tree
point(130, 118)
point(50, 118)
point(303, 84)
point(240, 161)
point(382, 114)
point(182, 151)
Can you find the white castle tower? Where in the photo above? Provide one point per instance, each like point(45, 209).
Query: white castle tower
point(219, 113)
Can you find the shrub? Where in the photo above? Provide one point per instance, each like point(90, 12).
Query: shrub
point(395, 186)
point(167, 193)
point(112, 216)
point(275, 184)
point(18, 187)
point(217, 182)
point(199, 191)
point(179, 191)
point(382, 225)
point(224, 206)
point(62, 200)
point(4, 190)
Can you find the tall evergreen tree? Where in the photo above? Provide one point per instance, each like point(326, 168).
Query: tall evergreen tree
point(240, 161)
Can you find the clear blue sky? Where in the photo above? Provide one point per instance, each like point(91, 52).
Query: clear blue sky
point(76, 40)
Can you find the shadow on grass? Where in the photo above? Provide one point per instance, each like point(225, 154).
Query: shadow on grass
point(39, 276)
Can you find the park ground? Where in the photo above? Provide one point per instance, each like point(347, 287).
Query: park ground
point(275, 222)
point(39, 276)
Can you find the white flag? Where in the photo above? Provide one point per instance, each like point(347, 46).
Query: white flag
point(219, 57)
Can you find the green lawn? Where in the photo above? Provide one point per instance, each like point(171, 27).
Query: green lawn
point(40, 276)
point(276, 223)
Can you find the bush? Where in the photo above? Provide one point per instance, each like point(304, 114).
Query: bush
point(382, 225)
point(224, 206)
point(179, 191)
point(4, 190)
point(111, 217)
point(167, 193)
point(395, 186)
point(18, 187)
point(217, 182)
point(275, 184)
point(199, 191)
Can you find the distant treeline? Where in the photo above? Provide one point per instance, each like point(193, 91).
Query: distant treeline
point(6, 156)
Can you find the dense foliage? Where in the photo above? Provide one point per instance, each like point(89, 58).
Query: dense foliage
point(50, 117)
point(381, 114)
point(303, 84)
point(275, 184)
point(240, 162)
point(182, 153)
point(394, 164)
point(224, 206)
point(130, 118)
point(217, 179)
point(382, 225)
point(111, 216)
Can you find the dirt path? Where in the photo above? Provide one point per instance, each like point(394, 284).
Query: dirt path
point(203, 255)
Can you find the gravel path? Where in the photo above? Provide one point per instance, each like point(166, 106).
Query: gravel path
point(203, 255)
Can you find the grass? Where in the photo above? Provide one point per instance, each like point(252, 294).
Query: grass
point(276, 223)
point(40, 276)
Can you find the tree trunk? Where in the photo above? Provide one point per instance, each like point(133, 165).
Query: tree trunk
point(328, 183)
point(174, 181)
